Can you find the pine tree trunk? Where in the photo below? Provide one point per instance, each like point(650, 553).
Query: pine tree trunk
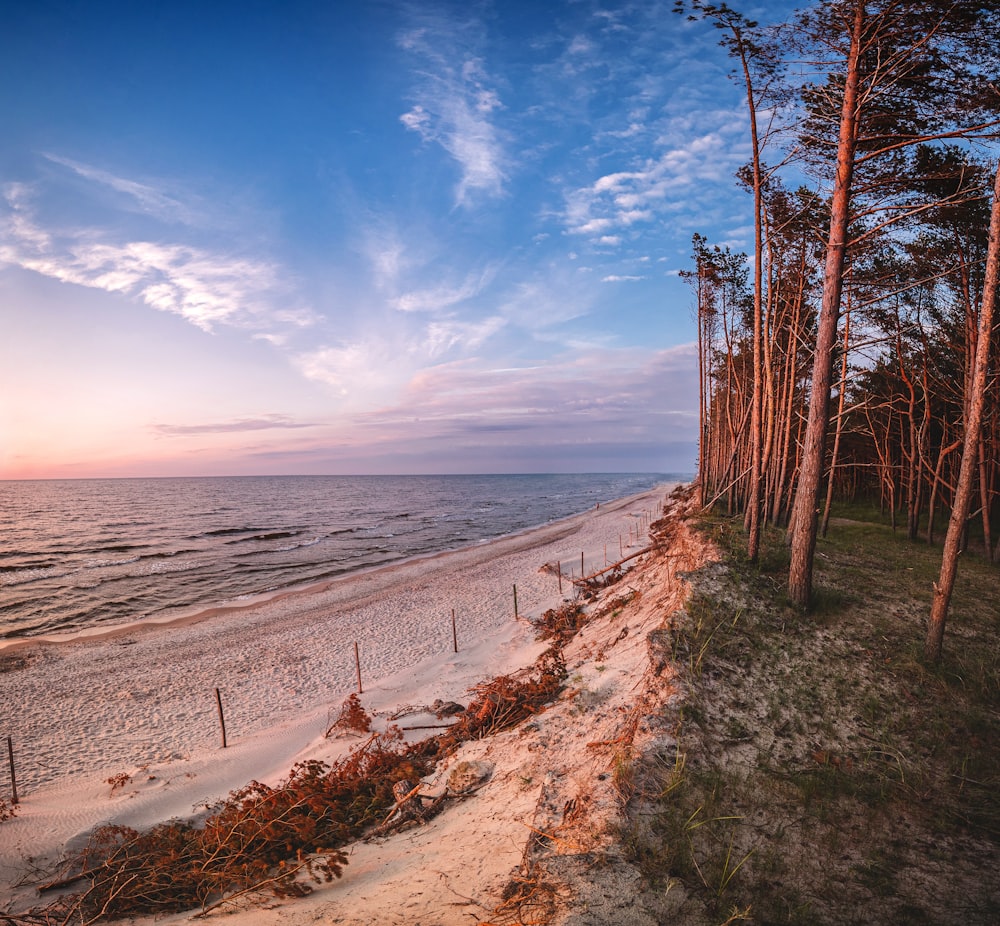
point(804, 515)
point(704, 466)
point(984, 501)
point(840, 426)
point(790, 374)
point(945, 585)
point(755, 495)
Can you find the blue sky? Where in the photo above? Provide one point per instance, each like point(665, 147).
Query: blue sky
point(344, 238)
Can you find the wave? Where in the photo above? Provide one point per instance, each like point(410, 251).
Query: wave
point(22, 565)
point(298, 546)
point(264, 537)
point(29, 575)
point(228, 532)
point(106, 563)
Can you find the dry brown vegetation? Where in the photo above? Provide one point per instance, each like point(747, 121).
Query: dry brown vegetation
point(276, 841)
point(352, 718)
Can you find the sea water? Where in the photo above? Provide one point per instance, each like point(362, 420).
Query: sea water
point(78, 554)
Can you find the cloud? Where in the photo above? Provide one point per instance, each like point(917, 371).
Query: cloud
point(17, 227)
point(554, 295)
point(443, 336)
point(344, 367)
point(203, 287)
point(620, 278)
point(417, 120)
point(455, 108)
point(624, 198)
point(389, 257)
point(265, 423)
point(144, 197)
point(365, 371)
point(372, 369)
point(445, 295)
point(598, 396)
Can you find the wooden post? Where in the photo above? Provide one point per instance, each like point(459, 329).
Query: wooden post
point(13, 777)
point(583, 571)
point(222, 719)
point(621, 552)
point(454, 631)
point(515, 602)
point(357, 668)
point(559, 573)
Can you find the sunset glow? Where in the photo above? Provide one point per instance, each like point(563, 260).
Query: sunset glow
point(387, 238)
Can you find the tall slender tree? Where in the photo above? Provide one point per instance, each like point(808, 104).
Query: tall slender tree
point(944, 587)
point(757, 69)
point(805, 510)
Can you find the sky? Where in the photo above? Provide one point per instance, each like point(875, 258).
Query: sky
point(368, 237)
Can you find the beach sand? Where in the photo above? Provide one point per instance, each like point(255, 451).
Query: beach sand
point(141, 702)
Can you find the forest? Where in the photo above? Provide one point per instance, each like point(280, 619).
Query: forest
point(852, 357)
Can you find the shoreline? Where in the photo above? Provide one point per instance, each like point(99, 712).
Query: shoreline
point(199, 613)
point(142, 703)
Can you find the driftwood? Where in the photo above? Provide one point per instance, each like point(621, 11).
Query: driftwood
point(66, 882)
point(408, 808)
point(586, 579)
point(465, 779)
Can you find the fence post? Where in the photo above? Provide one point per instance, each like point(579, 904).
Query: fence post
point(13, 777)
point(357, 667)
point(222, 719)
point(454, 631)
point(515, 602)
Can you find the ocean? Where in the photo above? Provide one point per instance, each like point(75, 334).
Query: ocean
point(78, 554)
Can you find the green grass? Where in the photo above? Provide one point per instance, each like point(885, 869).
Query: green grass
point(829, 774)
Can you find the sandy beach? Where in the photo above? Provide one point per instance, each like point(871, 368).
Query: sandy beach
point(141, 702)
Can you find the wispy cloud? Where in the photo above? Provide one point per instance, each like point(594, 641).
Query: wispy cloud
point(445, 295)
point(455, 107)
point(264, 423)
point(388, 257)
point(360, 371)
point(204, 287)
point(445, 335)
point(621, 278)
point(554, 295)
point(144, 197)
